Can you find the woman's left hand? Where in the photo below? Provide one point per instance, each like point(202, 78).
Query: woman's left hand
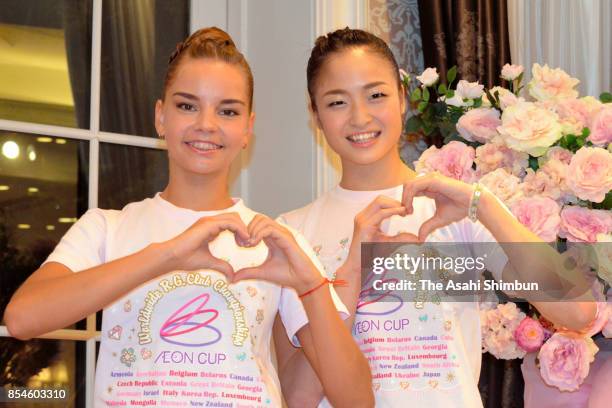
point(452, 199)
point(287, 264)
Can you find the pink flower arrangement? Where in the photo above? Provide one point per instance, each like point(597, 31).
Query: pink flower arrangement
point(452, 160)
point(547, 154)
point(579, 224)
point(529, 335)
point(539, 214)
point(564, 361)
point(549, 180)
point(590, 173)
point(497, 330)
point(492, 156)
point(576, 114)
point(479, 125)
point(601, 127)
point(551, 84)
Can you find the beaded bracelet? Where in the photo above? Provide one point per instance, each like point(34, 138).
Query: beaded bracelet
point(473, 208)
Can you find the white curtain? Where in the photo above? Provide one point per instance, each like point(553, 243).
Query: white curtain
point(574, 35)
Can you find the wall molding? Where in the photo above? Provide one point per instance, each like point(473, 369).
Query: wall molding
point(329, 15)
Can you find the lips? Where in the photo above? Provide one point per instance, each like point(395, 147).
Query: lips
point(204, 147)
point(363, 138)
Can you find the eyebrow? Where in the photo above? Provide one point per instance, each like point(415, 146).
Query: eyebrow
point(195, 98)
point(367, 86)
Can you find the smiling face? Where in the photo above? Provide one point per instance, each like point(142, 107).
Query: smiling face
point(359, 106)
point(205, 116)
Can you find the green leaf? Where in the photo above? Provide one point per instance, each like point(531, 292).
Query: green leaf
point(478, 102)
point(586, 132)
point(414, 124)
point(442, 89)
point(425, 96)
point(422, 105)
point(533, 163)
point(492, 100)
point(450, 93)
point(451, 75)
point(606, 97)
point(416, 95)
point(606, 204)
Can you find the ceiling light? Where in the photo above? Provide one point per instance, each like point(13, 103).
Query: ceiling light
point(66, 220)
point(50, 227)
point(23, 226)
point(31, 153)
point(32, 189)
point(4, 188)
point(44, 139)
point(10, 149)
point(60, 141)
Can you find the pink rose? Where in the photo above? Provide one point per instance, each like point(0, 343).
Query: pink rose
point(469, 90)
point(551, 84)
point(564, 361)
point(479, 125)
point(529, 128)
point(576, 114)
point(590, 173)
point(529, 335)
point(505, 186)
point(579, 224)
point(558, 153)
point(601, 127)
point(492, 156)
point(428, 77)
point(428, 161)
point(511, 72)
point(506, 98)
point(454, 160)
point(550, 180)
point(540, 215)
point(497, 328)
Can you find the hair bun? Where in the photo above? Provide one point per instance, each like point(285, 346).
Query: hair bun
point(213, 34)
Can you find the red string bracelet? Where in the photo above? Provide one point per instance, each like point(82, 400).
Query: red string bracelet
point(336, 282)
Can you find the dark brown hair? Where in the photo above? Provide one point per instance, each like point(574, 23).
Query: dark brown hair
point(340, 40)
point(213, 43)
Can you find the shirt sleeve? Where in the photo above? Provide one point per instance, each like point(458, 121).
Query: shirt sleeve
point(291, 309)
point(83, 246)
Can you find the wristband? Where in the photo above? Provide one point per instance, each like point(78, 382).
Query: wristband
point(473, 208)
point(335, 282)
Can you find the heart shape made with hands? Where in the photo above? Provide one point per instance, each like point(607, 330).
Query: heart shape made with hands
point(375, 222)
point(451, 197)
point(262, 250)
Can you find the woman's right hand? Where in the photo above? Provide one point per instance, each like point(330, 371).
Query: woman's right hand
point(367, 229)
point(190, 251)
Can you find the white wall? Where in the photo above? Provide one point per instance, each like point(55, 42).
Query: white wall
point(288, 164)
point(280, 167)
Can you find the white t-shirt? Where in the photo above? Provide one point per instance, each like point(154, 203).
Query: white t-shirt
point(185, 338)
point(420, 353)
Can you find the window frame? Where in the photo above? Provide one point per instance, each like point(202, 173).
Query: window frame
point(216, 13)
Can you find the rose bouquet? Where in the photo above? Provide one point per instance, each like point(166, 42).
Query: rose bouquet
point(546, 153)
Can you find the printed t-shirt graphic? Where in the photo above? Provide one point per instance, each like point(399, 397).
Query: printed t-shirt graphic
point(423, 350)
point(186, 338)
